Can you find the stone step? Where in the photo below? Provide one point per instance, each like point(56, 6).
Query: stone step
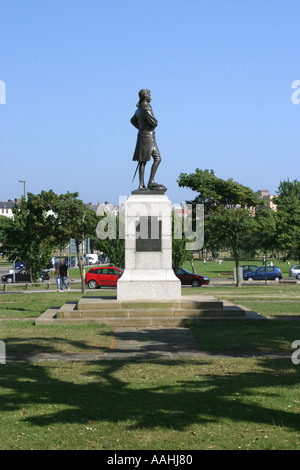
point(159, 313)
point(144, 321)
point(101, 304)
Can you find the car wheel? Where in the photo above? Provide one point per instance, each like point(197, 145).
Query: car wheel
point(276, 279)
point(9, 280)
point(92, 284)
point(195, 283)
point(250, 278)
point(298, 276)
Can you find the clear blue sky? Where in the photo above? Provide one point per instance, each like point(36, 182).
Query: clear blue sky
point(220, 73)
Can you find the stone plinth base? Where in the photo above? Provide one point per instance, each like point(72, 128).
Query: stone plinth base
point(148, 289)
point(148, 271)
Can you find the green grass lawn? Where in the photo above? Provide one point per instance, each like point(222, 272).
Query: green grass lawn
point(221, 403)
point(32, 305)
point(158, 405)
point(225, 270)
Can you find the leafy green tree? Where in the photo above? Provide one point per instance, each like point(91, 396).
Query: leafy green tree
point(287, 218)
point(28, 236)
point(228, 209)
point(114, 246)
point(264, 234)
point(4, 222)
point(233, 226)
point(71, 219)
point(179, 251)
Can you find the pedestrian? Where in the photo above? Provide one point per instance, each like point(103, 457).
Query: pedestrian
point(57, 276)
point(204, 261)
point(64, 274)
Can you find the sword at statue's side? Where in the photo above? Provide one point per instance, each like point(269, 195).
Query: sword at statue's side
point(136, 171)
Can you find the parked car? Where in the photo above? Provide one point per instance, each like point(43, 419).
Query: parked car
point(190, 279)
point(271, 273)
point(24, 276)
point(248, 267)
point(105, 276)
point(19, 264)
point(295, 271)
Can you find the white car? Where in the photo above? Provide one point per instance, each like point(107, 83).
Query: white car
point(295, 271)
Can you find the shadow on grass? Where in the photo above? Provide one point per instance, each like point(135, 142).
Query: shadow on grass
point(113, 392)
point(56, 339)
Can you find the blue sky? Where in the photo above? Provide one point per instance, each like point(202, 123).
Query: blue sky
point(220, 73)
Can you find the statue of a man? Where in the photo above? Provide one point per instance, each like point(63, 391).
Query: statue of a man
point(146, 147)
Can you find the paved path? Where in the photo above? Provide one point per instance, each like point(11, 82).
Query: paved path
point(146, 343)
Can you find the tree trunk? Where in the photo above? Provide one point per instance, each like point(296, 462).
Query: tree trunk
point(192, 263)
point(237, 263)
point(80, 265)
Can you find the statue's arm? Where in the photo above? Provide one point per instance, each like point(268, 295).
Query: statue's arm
point(134, 121)
point(150, 117)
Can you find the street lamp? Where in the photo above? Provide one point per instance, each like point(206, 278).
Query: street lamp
point(24, 182)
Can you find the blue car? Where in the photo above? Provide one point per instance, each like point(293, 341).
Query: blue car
point(271, 273)
point(19, 265)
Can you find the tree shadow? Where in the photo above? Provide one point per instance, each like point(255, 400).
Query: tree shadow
point(106, 393)
point(39, 344)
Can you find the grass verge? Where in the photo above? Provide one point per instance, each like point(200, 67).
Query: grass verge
point(157, 405)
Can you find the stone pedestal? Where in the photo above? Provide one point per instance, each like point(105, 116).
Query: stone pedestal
point(148, 271)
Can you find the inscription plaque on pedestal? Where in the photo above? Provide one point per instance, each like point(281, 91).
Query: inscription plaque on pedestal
point(148, 234)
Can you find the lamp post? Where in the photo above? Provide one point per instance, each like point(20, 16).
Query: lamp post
point(24, 182)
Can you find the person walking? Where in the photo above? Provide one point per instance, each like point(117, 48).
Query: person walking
point(64, 274)
point(57, 276)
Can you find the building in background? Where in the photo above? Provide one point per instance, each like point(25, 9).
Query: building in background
point(264, 194)
point(6, 207)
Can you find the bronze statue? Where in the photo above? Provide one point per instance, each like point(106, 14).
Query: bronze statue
point(146, 147)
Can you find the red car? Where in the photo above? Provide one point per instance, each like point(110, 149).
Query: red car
point(190, 279)
point(106, 276)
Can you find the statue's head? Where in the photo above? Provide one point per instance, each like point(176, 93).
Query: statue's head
point(145, 94)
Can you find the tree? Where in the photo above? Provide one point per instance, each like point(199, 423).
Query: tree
point(71, 219)
point(114, 247)
point(28, 236)
point(228, 209)
point(264, 235)
point(179, 252)
point(233, 226)
point(287, 218)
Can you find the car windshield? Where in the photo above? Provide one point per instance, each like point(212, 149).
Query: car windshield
point(185, 271)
